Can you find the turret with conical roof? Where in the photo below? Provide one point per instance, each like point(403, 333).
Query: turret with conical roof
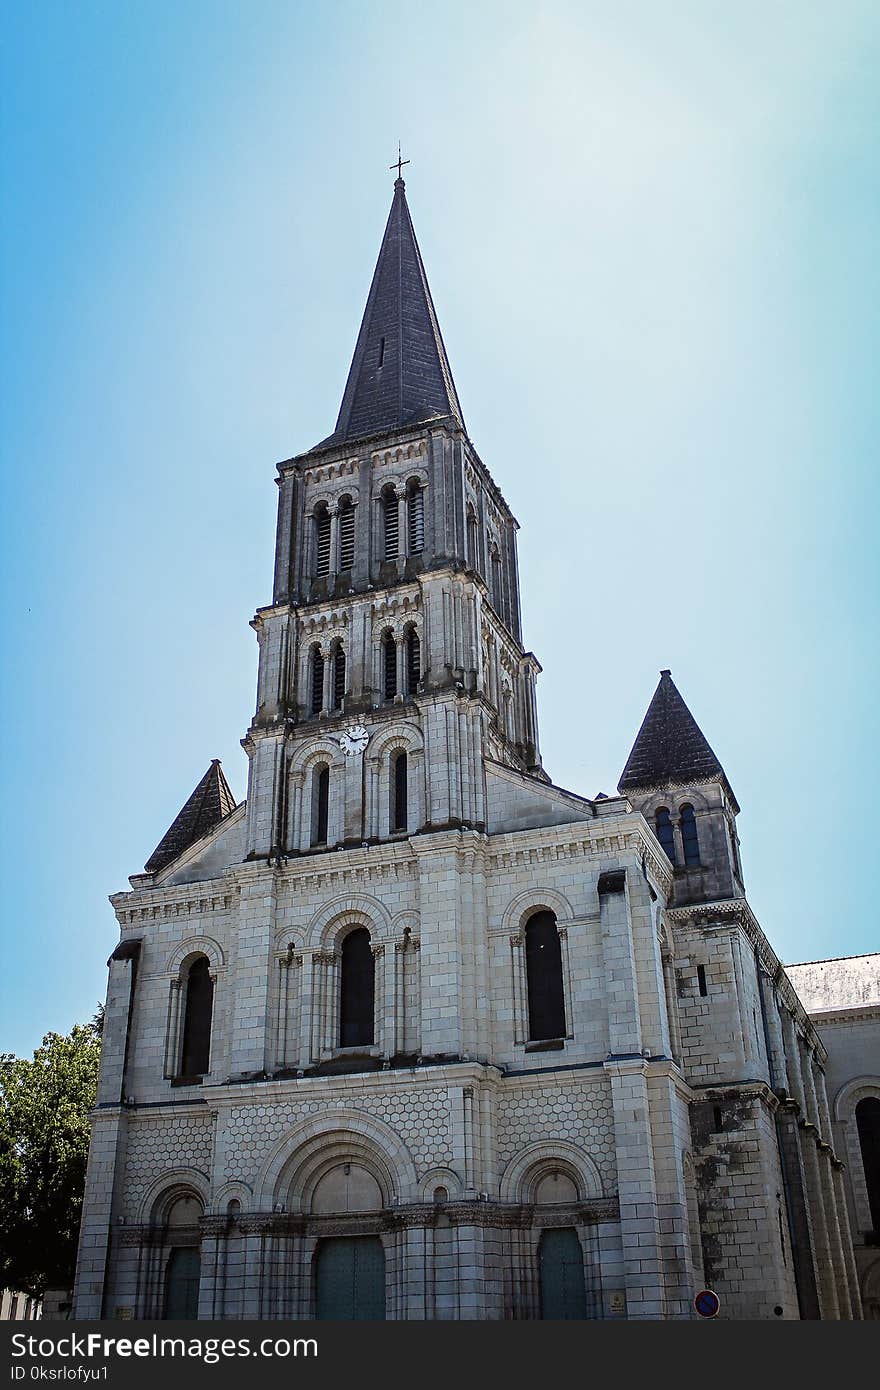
point(675, 779)
point(211, 801)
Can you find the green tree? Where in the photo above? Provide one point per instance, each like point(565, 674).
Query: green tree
point(44, 1145)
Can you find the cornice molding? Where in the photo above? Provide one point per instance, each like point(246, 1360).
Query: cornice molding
point(173, 902)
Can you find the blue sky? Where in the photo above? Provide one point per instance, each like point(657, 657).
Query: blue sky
point(651, 233)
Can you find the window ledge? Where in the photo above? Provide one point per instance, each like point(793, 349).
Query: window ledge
point(187, 1080)
point(546, 1045)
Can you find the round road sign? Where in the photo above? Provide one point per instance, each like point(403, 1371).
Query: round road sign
point(707, 1303)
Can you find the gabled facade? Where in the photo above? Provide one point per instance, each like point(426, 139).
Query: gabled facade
point(413, 1033)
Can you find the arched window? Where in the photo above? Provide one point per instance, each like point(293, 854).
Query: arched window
point(320, 804)
point(391, 526)
point(322, 541)
point(415, 516)
point(690, 843)
point(868, 1125)
point(195, 1050)
point(398, 792)
point(413, 661)
point(346, 534)
point(544, 978)
point(561, 1263)
point(389, 666)
point(665, 832)
point(357, 987)
point(316, 692)
point(338, 677)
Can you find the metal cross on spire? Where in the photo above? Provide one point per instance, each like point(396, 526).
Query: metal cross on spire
point(400, 162)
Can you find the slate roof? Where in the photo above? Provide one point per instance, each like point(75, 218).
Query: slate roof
point(400, 373)
point(209, 803)
point(670, 746)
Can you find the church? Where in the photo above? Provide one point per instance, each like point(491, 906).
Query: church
point(414, 1033)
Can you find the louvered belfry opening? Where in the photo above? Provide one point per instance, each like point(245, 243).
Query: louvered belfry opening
point(413, 661)
point(346, 534)
point(399, 792)
point(689, 841)
point(357, 988)
point(415, 512)
point(389, 666)
point(322, 542)
point(317, 690)
point(665, 832)
point(196, 1048)
point(320, 804)
point(544, 978)
point(338, 677)
point(391, 525)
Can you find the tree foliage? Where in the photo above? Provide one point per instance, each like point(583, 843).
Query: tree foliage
point(44, 1145)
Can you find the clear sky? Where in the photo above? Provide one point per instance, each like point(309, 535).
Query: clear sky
point(651, 232)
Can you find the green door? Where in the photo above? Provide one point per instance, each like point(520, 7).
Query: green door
point(563, 1294)
point(351, 1279)
point(182, 1284)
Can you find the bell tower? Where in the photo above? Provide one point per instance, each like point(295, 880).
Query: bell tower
point(391, 659)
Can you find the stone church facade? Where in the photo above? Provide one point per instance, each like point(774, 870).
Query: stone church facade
point(413, 1032)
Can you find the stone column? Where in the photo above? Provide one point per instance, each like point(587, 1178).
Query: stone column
point(671, 1004)
point(852, 1273)
point(520, 1016)
point(327, 688)
point(829, 1193)
point(334, 541)
point(807, 1136)
point(253, 1263)
point(296, 782)
point(209, 1283)
point(284, 965)
point(401, 671)
point(776, 1043)
point(307, 1010)
point(172, 1028)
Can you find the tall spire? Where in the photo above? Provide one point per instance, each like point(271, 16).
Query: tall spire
point(670, 746)
point(400, 373)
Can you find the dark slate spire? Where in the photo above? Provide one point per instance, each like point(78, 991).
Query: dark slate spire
point(209, 803)
point(670, 746)
point(400, 373)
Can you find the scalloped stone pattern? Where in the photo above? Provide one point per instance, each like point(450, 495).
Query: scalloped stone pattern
point(543, 1113)
point(423, 1124)
point(156, 1145)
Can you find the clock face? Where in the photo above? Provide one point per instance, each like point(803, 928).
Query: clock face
point(354, 740)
